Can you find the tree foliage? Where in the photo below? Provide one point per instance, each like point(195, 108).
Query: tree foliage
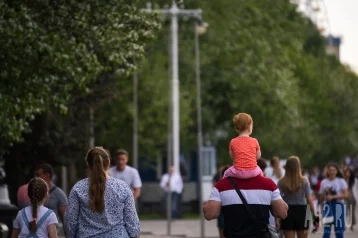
point(265, 60)
point(51, 49)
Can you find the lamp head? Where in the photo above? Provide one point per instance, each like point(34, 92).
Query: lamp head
point(201, 27)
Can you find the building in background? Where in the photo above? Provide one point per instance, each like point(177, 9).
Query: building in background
point(316, 10)
point(332, 45)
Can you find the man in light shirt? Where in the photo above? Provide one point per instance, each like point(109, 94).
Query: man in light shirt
point(172, 182)
point(126, 173)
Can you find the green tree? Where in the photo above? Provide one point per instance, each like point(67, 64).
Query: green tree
point(51, 49)
point(267, 61)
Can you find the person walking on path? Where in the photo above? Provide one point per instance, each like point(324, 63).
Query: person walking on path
point(351, 200)
point(101, 206)
point(172, 183)
point(296, 192)
point(126, 173)
point(57, 200)
point(261, 195)
point(36, 220)
point(275, 172)
point(333, 190)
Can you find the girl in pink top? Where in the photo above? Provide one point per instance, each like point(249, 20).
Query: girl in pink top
point(244, 150)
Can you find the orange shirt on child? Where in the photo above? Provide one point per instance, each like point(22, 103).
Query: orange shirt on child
point(243, 149)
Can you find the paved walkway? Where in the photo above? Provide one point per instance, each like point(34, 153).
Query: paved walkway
point(191, 229)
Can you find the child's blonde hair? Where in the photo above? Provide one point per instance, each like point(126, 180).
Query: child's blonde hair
point(242, 122)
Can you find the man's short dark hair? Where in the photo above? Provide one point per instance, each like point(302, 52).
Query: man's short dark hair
point(262, 164)
point(121, 152)
point(46, 168)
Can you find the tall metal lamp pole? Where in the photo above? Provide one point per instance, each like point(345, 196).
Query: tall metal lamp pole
point(174, 12)
point(199, 29)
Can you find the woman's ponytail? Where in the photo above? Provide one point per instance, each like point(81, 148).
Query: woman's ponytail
point(98, 161)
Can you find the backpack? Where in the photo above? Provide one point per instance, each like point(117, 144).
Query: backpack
point(38, 224)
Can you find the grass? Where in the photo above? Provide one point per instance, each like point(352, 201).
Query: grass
point(156, 216)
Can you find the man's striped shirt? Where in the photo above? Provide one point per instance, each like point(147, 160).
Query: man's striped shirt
point(258, 192)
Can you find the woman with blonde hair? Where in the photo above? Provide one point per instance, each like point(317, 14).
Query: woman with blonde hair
point(275, 172)
point(101, 206)
point(296, 192)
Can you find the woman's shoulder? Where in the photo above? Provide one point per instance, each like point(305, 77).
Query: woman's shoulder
point(306, 180)
point(342, 180)
point(118, 187)
point(81, 184)
point(117, 182)
point(323, 181)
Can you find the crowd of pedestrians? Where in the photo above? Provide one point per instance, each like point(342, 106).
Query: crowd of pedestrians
point(321, 198)
point(287, 201)
point(250, 198)
point(102, 205)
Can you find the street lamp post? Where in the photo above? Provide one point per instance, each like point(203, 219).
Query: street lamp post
point(135, 120)
point(174, 12)
point(199, 29)
point(135, 125)
point(174, 144)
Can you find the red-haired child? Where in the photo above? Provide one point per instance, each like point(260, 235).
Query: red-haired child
point(244, 150)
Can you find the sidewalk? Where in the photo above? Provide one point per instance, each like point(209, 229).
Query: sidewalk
point(179, 228)
point(191, 229)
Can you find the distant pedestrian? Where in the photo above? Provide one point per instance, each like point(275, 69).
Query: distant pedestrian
point(314, 177)
point(244, 150)
point(275, 172)
point(296, 191)
point(57, 200)
point(126, 173)
point(321, 177)
point(352, 198)
point(172, 183)
point(101, 206)
point(262, 164)
point(23, 199)
point(333, 190)
point(36, 220)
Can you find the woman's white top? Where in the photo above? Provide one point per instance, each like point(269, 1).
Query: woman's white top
point(269, 174)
